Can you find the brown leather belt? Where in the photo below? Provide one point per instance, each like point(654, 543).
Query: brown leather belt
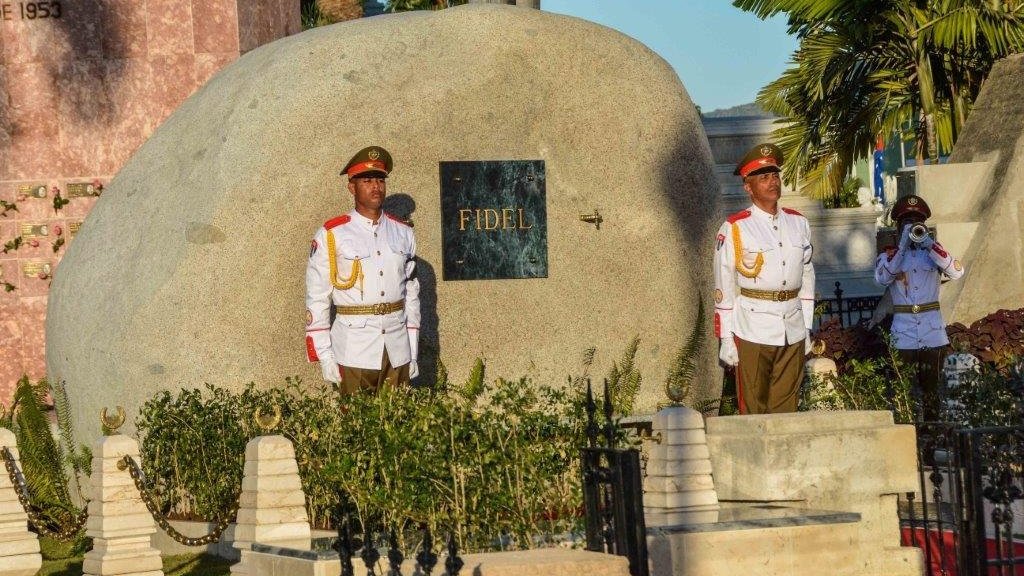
point(915, 308)
point(773, 295)
point(379, 309)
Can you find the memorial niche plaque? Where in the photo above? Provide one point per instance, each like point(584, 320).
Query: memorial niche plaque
point(493, 220)
point(32, 190)
point(82, 190)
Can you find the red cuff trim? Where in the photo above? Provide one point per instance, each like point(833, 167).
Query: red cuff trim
point(938, 250)
point(311, 350)
point(718, 326)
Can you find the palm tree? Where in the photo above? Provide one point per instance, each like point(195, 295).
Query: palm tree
point(870, 67)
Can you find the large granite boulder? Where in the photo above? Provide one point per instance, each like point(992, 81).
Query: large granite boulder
point(190, 268)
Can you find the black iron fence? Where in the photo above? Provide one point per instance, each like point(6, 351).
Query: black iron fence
point(612, 491)
point(849, 311)
point(968, 516)
point(352, 549)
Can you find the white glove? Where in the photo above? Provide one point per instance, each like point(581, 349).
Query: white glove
point(807, 344)
point(926, 243)
point(414, 369)
point(728, 353)
point(905, 238)
point(330, 370)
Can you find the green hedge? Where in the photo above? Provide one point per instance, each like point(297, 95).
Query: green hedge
point(484, 460)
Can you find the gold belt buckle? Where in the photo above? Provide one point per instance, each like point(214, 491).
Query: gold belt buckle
point(915, 308)
point(380, 308)
point(780, 297)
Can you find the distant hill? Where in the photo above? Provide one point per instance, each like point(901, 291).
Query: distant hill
point(751, 109)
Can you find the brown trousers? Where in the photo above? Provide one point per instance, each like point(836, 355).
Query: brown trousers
point(356, 379)
point(768, 377)
point(927, 363)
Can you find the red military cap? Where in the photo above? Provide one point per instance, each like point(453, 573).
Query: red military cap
point(766, 157)
point(908, 205)
point(372, 159)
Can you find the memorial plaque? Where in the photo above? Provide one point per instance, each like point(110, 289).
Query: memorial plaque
point(82, 190)
point(33, 190)
point(34, 230)
point(494, 220)
point(33, 269)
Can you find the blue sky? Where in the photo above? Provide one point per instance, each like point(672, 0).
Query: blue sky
point(722, 55)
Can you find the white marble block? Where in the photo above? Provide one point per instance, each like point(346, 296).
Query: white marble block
point(678, 487)
point(119, 522)
point(272, 507)
point(19, 548)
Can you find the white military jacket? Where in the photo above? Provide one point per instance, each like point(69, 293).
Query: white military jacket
point(913, 276)
point(385, 253)
point(767, 252)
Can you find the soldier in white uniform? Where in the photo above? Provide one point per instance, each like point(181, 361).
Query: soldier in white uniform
point(913, 272)
point(362, 265)
point(764, 290)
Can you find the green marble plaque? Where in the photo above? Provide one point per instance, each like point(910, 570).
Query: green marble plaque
point(493, 220)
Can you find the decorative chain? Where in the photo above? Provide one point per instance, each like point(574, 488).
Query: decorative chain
point(140, 482)
point(34, 517)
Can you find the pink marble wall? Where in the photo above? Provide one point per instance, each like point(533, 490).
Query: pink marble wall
point(79, 93)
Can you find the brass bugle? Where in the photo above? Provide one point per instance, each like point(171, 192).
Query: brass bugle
point(918, 232)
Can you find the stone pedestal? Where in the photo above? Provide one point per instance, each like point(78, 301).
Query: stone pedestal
point(119, 523)
point(854, 461)
point(272, 507)
point(678, 488)
point(19, 548)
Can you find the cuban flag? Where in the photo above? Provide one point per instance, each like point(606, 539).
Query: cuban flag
point(879, 169)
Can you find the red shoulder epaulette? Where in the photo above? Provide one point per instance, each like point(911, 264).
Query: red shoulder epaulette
point(396, 219)
point(334, 222)
point(792, 211)
point(738, 216)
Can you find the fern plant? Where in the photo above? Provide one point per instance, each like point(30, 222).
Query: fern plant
point(624, 379)
point(679, 383)
point(44, 461)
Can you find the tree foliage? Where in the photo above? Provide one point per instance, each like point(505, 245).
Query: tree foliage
point(869, 68)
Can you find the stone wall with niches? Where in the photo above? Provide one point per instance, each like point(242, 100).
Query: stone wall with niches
point(83, 83)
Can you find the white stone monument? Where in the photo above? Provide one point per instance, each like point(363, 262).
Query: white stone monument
point(19, 548)
point(119, 523)
point(272, 507)
point(678, 488)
